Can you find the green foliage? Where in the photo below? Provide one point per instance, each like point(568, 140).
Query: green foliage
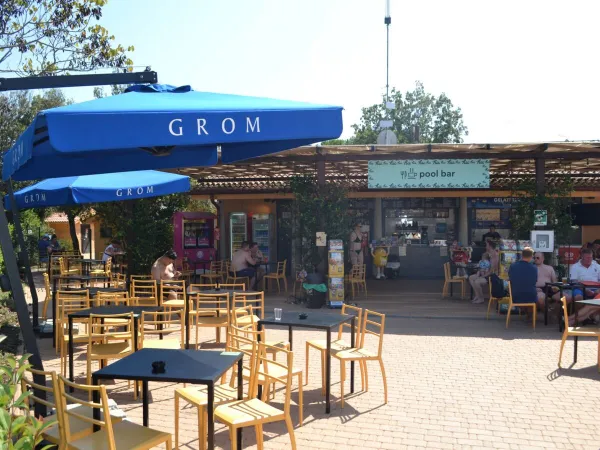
point(41, 37)
point(555, 200)
point(31, 221)
point(18, 429)
point(438, 120)
point(318, 208)
point(144, 226)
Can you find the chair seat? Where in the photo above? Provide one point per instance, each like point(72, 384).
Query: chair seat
point(78, 427)
point(113, 348)
point(177, 303)
point(247, 320)
point(128, 435)
point(524, 304)
point(198, 395)
point(162, 343)
point(355, 353)
point(212, 321)
point(584, 331)
point(247, 412)
point(337, 345)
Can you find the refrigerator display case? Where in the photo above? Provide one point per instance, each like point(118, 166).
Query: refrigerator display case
point(194, 239)
point(238, 231)
point(261, 234)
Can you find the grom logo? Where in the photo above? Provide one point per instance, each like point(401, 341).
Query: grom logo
point(201, 127)
point(135, 192)
point(34, 198)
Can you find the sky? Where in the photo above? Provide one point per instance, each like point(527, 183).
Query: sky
point(521, 71)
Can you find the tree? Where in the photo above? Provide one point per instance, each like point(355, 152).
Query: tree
point(42, 37)
point(437, 118)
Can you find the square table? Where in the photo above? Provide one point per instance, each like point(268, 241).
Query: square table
point(80, 278)
point(105, 310)
point(181, 366)
point(86, 264)
point(317, 320)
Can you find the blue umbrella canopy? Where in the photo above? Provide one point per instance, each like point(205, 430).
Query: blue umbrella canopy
point(163, 127)
point(109, 187)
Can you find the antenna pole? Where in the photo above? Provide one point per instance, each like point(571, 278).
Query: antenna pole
point(387, 21)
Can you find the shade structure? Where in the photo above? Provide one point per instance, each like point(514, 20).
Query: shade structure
point(99, 188)
point(163, 127)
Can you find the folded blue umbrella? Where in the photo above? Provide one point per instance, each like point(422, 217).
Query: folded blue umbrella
point(109, 187)
point(163, 127)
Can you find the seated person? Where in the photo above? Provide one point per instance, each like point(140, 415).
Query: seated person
point(546, 274)
point(586, 269)
point(523, 278)
point(257, 256)
point(485, 266)
point(164, 269)
point(242, 263)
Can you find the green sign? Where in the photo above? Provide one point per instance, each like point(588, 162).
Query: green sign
point(429, 174)
point(540, 218)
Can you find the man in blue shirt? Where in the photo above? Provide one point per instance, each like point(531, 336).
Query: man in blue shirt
point(523, 277)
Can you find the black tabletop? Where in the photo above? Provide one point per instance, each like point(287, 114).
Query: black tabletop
point(82, 277)
point(589, 302)
point(316, 319)
point(136, 310)
point(560, 284)
point(191, 291)
point(94, 290)
point(88, 261)
point(181, 366)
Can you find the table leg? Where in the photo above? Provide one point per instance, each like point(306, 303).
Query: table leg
point(546, 306)
point(54, 311)
point(95, 399)
point(259, 329)
point(240, 383)
point(135, 333)
point(187, 322)
point(210, 407)
point(290, 337)
point(328, 374)
point(352, 324)
point(71, 376)
point(145, 419)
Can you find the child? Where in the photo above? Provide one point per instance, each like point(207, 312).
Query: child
point(484, 266)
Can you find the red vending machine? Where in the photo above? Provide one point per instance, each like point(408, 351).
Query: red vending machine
point(194, 238)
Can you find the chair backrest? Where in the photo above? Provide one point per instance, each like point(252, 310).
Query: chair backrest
point(140, 277)
point(249, 348)
point(373, 324)
point(209, 304)
point(105, 420)
point(216, 266)
point(71, 301)
point(144, 288)
point(119, 280)
point(256, 300)
point(47, 285)
point(63, 266)
point(244, 311)
point(233, 286)
point(352, 310)
point(172, 286)
point(99, 326)
point(265, 368)
point(50, 391)
point(281, 267)
point(112, 298)
point(161, 323)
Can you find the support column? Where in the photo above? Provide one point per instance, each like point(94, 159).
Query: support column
point(463, 222)
point(321, 182)
point(540, 176)
point(377, 220)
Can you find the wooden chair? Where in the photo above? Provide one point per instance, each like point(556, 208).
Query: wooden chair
point(55, 433)
point(161, 324)
point(112, 298)
point(48, 297)
point(65, 270)
point(277, 276)
point(108, 343)
point(255, 301)
point(198, 396)
point(210, 311)
point(338, 345)
point(145, 291)
point(255, 412)
point(249, 330)
point(358, 279)
point(103, 271)
point(233, 278)
point(215, 274)
point(119, 280)
point(498, 300)
point(127, 434)
point(169, 289)
point(576, 332)
point(371, 319)
point(449, 279)
point(519, 305)
point(66, 303)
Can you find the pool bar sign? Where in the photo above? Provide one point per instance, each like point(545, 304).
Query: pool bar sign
point(430, 174)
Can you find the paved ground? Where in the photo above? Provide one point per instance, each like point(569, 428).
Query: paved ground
point(455, 380)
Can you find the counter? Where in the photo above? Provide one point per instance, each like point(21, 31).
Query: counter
point(422, 262)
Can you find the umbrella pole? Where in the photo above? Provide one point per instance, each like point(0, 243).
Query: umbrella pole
point(12, 271)
point(24, 254)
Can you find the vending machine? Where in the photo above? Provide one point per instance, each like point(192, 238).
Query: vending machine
point(335, 259)
point(238, 227)
point(261, 234)
point(194, 237)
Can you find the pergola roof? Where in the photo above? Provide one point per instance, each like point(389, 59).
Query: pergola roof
point(348, 164)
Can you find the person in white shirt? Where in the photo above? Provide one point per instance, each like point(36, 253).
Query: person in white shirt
point(586, 269)
point(113, 249)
